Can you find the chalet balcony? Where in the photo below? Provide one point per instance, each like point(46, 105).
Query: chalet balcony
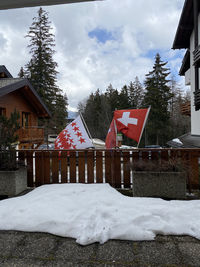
point(32, 135)
point(197, 99)
point(196, 56)
point(186, 109)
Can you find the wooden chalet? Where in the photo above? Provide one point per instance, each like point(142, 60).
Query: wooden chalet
point(18, 94)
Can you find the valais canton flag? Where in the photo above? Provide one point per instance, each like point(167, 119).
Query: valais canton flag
point(74, 136)
point(131, 122)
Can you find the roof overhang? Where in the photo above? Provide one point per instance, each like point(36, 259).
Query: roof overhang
point(185, 27)
point(8, 4)
point(185, 63)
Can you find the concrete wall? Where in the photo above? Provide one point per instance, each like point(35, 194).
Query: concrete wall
point(170, 185)
point(13, 182)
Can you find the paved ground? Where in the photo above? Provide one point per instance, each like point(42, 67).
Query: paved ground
point(41, 249)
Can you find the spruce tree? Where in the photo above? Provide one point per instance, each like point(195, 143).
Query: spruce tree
point(124, 99)
point(158, 95)
point(136, 93)
point(41, 69)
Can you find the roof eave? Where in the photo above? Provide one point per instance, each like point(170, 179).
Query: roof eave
point(10, 4)
point(185, 27)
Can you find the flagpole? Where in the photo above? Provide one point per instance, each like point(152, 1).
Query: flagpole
point(86, 126)
point(116, 133)
point(144, 125)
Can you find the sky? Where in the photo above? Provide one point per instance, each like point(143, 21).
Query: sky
point(98, 43)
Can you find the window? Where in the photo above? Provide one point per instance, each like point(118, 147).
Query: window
point(25, 119)
point(2, 111)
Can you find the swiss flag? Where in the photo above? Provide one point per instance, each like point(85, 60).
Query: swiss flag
point(131, 122)
point(111, 136)
point(74, 136)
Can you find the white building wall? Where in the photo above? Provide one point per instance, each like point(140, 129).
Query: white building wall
point(195, 115)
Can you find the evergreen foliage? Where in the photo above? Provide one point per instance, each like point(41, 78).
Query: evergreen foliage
point(165, 97)
point(8, 136)
point(158, 95)
point(41, 70)
point(8, 128)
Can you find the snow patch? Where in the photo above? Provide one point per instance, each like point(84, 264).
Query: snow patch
point(96, 213)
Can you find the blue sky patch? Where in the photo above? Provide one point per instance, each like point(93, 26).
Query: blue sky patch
point(102, 35)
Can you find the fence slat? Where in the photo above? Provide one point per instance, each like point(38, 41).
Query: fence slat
point(145, 155)
point(108, 163)
point(30, 182)
point(164, 155)
point(99, 166)
point(81, 167)
point(126, 169)
point(155, 155)
point(64, 167)
point(90, 166)
point(72, 167)
point(38, 169)
point(194, 170)
point(46, 167)
point(55, 166)
point(116, 170)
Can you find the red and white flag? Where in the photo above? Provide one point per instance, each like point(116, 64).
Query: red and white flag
point(74, 136)
point(131, 122)
point(111, 136)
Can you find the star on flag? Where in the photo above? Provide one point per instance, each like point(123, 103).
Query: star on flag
point(74, 136)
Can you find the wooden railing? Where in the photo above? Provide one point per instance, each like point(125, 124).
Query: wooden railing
point(186, 109)
point(102, 166)
point(31, 134)
point(196, 56)
point(197, 100)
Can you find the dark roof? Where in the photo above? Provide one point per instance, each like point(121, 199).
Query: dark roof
point(185, 63)
point(185, 27)
point(5, 71)
point(7, 4)
point(187, 140)
point(26, 89)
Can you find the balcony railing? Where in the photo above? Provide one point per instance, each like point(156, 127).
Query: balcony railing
point(30, 134)
point(196, 56)
point(197, 99)
point(186, 109)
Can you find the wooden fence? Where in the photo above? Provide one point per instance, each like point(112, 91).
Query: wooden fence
point(102, 166)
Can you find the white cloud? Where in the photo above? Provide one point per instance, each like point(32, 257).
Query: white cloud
point(139, 27)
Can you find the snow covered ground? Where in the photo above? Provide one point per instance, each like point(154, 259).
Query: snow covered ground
point(97, 212)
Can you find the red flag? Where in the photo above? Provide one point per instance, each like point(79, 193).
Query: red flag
point(131, 122)
point(111, 136)
point(74, 136)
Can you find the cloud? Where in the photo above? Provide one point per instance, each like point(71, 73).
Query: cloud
point(98, 43)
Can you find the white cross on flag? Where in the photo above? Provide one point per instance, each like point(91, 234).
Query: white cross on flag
point(74, 136)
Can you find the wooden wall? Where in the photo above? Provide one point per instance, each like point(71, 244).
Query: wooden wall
point(16, 100)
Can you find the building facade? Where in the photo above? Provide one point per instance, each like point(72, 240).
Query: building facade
point(188, 37)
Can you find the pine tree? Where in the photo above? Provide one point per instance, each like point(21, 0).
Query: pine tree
point(21, 73)
point(158, 96)
point(124, 99)
point(113, 97)
point(41, 69)
point(136, 93)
